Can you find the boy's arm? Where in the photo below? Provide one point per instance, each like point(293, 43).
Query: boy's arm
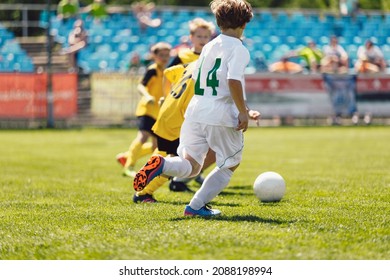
point(144, 92)
point(237, 94)
point(150, 73)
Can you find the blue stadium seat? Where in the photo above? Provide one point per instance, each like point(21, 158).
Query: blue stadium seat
point(312, 18)
point(166, 15)
point(6, 35)
point(26, 64)
point(203, 14)
point(11, 46)
point(298, 17)
point(352, 50)
point(104, 49)
point(330, 18)
point(386, 52)
point(266, 16)
point(291, 41)
point(12, 57)
point(357, 40)
point(281, 17)
point(375, 19)
point(267, 50)
point(361, 18)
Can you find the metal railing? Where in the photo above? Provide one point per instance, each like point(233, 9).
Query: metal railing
point(28, 18)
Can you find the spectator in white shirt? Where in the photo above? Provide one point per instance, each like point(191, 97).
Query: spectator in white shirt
point(335, 58)
point(370, 59)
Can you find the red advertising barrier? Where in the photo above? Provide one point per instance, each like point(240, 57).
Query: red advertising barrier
point(283, 83)
point(267, 83)
point(377, 84)
point(24, 95)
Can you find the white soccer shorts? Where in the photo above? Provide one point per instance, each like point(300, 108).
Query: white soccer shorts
point(226, 142)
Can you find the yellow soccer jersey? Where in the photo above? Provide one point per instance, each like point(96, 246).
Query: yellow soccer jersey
point(153, 81)
point(171, 115)
point(185, 56)
point(174, 74)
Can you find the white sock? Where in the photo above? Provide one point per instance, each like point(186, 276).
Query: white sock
point(177, 166)
point(214, 183)
point(186, 180)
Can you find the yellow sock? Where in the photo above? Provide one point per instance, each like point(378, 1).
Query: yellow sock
point(161, 153)
point(134, 151)
point(146, 148)
point(154, 185)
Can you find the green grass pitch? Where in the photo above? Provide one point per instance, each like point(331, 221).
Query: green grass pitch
point(63, 197)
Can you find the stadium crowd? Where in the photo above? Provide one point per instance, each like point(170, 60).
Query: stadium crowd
point(333, 59)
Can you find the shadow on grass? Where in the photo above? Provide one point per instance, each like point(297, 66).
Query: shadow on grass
point(253, 218)
point(238, 218)
point(247, 188)
point(217, 203)
point(272, 203)
point(231, 190)
point(237, 190)
point(227, 193)
point(185, 203)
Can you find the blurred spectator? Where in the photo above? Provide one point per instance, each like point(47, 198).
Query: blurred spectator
point(335, 58)
point(143, 12)
point(370, 59)
point(310, 54)
point(348, 7)
point(77, 40)
point(135, 61)
point(342, 90)
point(136, 64)
point(260, 64)
point(68, 9)
point(285, 66)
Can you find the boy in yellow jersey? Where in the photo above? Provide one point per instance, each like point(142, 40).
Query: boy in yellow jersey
point(169, 121)
point(201, 32)
point(151, 90)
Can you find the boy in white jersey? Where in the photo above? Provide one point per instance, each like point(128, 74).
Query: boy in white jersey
point(217, 115)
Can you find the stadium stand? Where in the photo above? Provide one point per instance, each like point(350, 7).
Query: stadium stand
point(12, 57)
point(268, 36)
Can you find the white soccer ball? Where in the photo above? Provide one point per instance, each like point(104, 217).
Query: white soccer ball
point(269, 187)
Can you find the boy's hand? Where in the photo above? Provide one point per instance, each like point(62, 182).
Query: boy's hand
point(161, 101)
point(243, 120)
point(254, 115)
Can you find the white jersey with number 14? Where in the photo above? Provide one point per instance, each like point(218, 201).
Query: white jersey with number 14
point(221, 59)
